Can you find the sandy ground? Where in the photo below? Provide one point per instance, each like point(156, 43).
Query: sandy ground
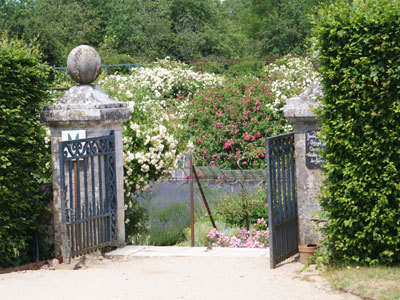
point(169, 278)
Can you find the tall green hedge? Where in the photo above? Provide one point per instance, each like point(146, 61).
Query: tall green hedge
point(23, 90)
point(359, 44)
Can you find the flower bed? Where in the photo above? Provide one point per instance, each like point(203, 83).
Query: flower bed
point(257, 237)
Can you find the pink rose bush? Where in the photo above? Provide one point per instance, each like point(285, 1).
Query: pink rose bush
point(230, 121)
point(257, 237)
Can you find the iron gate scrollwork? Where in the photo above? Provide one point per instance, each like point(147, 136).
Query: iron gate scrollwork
point(88, 195)
point(282, 203)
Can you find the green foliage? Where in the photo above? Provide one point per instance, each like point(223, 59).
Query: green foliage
point(140, 28)
point(234, 209)
point(23, 85)
point(249, 67)
point(287, 30)
point(127, 30)
point(57, 26)
point(203, 29)
point(360, 64)
point(234, 68)
point(110, 56)
point(273, 27)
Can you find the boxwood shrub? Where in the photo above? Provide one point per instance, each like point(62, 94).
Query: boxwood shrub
point(359, 43)
point(23, 86)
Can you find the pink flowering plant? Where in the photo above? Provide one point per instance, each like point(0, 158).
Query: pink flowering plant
point(230, 121)
point(256, 237)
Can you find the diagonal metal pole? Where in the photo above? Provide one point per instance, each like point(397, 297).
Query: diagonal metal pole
point(191, 202)
point(203, 196)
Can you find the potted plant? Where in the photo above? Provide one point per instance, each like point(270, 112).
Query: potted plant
point(306, 252)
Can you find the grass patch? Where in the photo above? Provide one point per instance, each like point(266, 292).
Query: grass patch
point(377, 282)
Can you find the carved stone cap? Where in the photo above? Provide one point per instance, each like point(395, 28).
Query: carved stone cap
point(85, 104)
point(86, 96)
point(300, 109)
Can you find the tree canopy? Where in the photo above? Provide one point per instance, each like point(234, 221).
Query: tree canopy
point(136, 30)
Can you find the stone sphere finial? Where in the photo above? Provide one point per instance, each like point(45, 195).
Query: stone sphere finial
point(84, 64)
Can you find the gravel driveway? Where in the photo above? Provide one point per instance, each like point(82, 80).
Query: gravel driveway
point(168, 277)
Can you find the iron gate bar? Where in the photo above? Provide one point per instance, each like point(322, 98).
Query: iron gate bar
point(282, 204)
point(87, 224)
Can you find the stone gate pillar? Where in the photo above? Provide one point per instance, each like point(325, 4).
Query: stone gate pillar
point(85, 107)
point(299, 111)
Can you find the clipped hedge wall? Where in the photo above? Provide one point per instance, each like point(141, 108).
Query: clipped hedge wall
point(23, 86)
point(359, 44)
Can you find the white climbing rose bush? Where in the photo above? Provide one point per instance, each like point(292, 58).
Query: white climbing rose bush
point(154, 138)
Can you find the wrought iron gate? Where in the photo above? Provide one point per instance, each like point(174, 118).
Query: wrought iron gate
point(88, 195)
point(282, 202)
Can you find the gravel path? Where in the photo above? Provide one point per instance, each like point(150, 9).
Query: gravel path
point(168, 278)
